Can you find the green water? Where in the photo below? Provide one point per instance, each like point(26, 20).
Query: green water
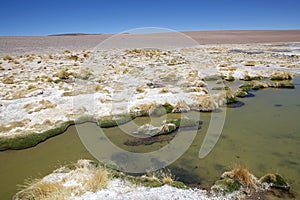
point(263, 135)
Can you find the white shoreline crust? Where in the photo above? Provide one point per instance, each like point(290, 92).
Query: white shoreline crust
point(40, 91)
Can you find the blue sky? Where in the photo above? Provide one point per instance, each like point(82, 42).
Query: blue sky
point(44, 17)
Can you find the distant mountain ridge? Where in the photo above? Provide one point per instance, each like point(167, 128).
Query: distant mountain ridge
point(74, 34)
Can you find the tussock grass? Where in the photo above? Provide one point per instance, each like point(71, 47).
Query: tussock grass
point(230, 97)
point(207, 103)
point(163, 91)
point(38, 106)
point(167, 177)
point(8, 80)
point(147, 52)
point(89, 176)
point(64, 74)
point(9, 58)
point(180, 107)
point(144, 109)
point(160, 178)
point(11, 125)
point(73, 57)
point(250, 64)
point(98, 180)
point(85, 90)
point(280, 75)
point(141, 88)
point(37, 190)
point(242, 175)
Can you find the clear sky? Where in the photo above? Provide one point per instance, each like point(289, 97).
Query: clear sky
point(44, 17)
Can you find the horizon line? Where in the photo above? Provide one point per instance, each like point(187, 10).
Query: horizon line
point(185, 31)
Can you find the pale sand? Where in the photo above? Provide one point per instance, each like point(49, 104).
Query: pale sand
point(16, 45)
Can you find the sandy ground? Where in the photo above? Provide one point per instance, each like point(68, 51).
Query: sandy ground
point(14, 45)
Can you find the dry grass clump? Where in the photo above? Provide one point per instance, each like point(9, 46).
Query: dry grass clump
point(259, 84)
point(77, 178)
point(176, 61)
point(64, 74)
point(37, 190)
point(243, 176)
point(280, 75)
point(180, 107)
point(8, 58)
point(167, 177)
point(8, 80)
point(144, 109)
point(97, 181)
point(73, 57)
point(147, 52)
point(84, 90)
point(98, 87)
point(30, 57)
point(193, 74)
point(163, 91)
point(200, 84)
point(232, 69)
point(197, 89)
point(224, 65)
point(11, 125)
point(141, 88)
point(250, 63)
point(31, 87)
point(205, 103)
point(38, 106)
point(66, 52)
point(163, 176)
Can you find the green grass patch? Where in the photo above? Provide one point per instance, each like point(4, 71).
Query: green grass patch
point(30, 140)
point(111, 121)
point(226, 185)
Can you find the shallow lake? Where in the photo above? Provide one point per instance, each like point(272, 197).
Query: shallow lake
point(263, 135)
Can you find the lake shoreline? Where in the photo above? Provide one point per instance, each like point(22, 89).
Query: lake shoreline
point(44, 94)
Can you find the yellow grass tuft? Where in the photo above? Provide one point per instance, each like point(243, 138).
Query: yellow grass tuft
point(145, 109)
point(8, 80)
point(167, 177)
point(281, 75)
point(141, 88)
point(243, 176)
point(181, 106)
point(98, 87)
point(12, 125)
point(8, 58)
point(250, 63)
point(38, 106)
point(97, 181)
point(36, 190)
point(87, 175)
point(163, 91)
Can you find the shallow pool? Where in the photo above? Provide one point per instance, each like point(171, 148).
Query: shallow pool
point(263, 135)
